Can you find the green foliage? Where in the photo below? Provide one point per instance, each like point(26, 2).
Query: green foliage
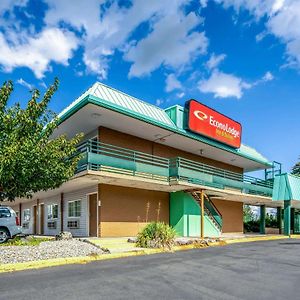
point(248, 214)
point(156, 235)
point(252, 222)
point(30, 160)
point(296, 169)
point(29, 241)
point(252, 226)
point(271, 221)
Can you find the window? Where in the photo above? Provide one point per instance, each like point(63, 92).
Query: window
point(73, 224)
point(52, 211)
point(25, 225)
point(26, 215)
point(4, 212)
point(74, 208)
point(51, 224)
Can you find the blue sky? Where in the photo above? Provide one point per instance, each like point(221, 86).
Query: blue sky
point(241, 57)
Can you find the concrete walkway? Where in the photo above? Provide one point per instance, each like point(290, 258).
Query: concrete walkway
point(115, 245)
point(230, 236)
point(121, 244)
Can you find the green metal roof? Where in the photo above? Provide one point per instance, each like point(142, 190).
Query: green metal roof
point(286, 187)
point(122, 100)
point(107, 97)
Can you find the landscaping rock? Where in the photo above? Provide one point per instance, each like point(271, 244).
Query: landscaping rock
point(64, 235)
point(47, 250)
point(184, 241)
point(132, 240)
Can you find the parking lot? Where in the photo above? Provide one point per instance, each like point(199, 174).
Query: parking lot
point(258, 270)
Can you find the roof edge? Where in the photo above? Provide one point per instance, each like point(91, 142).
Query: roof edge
point(90, 99)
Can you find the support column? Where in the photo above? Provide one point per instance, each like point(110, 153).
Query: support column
point(61, 212)
point(37, 217)
point(279, 219)
point(287, 217)
point(262, 223)
point(292, 220)
point(20, 214)
point(202, 215)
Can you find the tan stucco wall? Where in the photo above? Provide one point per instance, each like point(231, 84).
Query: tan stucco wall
point(232, 213)
point(124, 211)
point(120, 139)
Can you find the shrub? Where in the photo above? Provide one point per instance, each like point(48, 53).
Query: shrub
point(252, 226)
point(156, 235)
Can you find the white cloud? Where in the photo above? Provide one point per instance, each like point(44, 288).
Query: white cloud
point(9, 5)
point(215, 60)
point(24, 83)
point(259, 37)
point(203, 3)
point(223, 85)
point(36, 52)
point(159, 102)
point(107, 30)
point(172, 83)
point(282, 19)
point(172, 43)
point(43, 84)
point(268, 76)
point(180, 95)
point(102, 28)
point(75, 12)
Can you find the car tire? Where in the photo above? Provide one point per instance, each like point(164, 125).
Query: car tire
point(4, 235)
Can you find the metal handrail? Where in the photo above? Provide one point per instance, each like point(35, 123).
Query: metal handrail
point(122, 153)
point(211, 170)
point(213, 205)
point(113, 151)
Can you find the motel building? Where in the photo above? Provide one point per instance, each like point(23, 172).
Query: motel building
point(184, 166)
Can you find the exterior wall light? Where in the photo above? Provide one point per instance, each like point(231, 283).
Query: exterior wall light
point(95, 115)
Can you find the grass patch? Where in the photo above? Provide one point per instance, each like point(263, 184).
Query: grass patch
point(28, 241)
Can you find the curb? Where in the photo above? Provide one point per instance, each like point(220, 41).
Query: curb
point(5, 268)
point(254, 239)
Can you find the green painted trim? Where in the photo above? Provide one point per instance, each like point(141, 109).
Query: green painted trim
point(279, 219)
point(262, 222)
point(90, 99)
point(286, 187)
point(287, 217)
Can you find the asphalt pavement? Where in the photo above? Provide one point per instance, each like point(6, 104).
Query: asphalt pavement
point(257, 270)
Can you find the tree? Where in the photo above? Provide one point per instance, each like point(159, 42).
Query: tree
point(30, 160)
point(248, 214)
point(296, 169)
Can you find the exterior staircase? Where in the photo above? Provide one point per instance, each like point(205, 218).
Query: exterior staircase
point(210, 210)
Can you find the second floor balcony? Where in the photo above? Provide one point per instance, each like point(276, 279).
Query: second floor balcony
point(97, 156)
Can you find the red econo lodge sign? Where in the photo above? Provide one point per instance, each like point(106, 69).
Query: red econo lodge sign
point(206, 121)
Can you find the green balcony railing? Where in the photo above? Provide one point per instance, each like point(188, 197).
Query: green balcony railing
point(100, 156)
point(198, 173)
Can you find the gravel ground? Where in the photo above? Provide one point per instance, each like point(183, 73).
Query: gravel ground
point(47, 250)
